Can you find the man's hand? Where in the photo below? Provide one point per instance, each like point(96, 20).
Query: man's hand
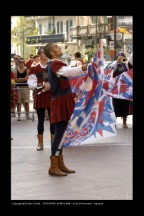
point(46, 86)
point(84, 67)
point(39, 84)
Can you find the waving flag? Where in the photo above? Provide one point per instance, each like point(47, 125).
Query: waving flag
point(93, 117)
point(119, 87)
point(76, 83)
point(108, 73)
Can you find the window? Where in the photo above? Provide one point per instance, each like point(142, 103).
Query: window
point(67, 26)
point(40, 29)
point(105, 19)
point(71, 23)
point(49, 27)
point(61, 23)
point(93, 19)
point(57, 27)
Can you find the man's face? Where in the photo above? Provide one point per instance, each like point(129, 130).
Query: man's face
point(56, 51)
point(120, 59)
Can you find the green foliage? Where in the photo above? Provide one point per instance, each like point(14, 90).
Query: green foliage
point(24, 28)
point(49, 32)
point(91, 51)
point(106, 50)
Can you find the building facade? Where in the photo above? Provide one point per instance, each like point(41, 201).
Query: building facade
point(77, 33)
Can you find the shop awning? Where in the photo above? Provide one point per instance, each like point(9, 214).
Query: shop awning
point(43, 39)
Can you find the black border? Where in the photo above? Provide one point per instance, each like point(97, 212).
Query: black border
point(138, 109)
point(5, 108)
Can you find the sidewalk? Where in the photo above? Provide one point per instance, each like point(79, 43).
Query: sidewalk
point(103, 170)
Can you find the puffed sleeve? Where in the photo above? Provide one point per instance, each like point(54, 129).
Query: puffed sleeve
point(32, 81)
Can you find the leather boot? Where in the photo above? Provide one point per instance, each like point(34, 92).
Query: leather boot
point(54, 169)
point(52, 137)
point(124, 123)
point(40, 142)
point(62, 166)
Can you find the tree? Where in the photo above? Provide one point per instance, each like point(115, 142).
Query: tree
point(91, 52)
point(24, 28)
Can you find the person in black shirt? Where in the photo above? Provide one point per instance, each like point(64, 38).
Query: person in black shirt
point(121, 106)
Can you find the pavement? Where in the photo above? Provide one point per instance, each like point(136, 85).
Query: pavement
point(103, 169)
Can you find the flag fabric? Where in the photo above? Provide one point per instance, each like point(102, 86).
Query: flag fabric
point(108, 74)
point(76, 83)
point(119, 87)
point(93, 117)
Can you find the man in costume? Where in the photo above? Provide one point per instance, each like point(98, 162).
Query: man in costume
point(62, 104)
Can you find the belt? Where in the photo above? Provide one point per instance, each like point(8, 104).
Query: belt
point(61, 94)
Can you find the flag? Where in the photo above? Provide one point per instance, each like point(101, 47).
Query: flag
point(93, 117)
point(119, 87)
point(76, 83)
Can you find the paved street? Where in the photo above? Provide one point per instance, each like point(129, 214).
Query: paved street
point(103, 170)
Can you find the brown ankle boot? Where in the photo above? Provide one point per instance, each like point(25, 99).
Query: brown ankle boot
point(54, 169)
point(62, 166)
point(40, 142)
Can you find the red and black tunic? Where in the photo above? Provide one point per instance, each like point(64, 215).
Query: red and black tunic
point(28, 64)
point(62, 102)
point(40, 100)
